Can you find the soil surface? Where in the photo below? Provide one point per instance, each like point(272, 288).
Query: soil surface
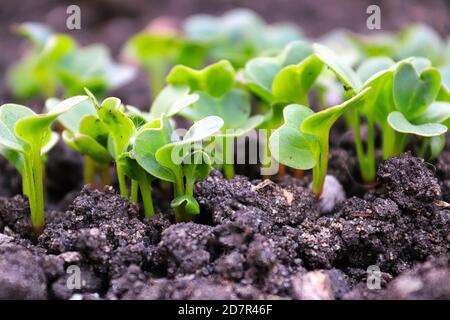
point(253, 240)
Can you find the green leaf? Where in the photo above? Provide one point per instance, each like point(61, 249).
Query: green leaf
point(342, 71)
point(419, 41)
point(21, 81)
point(130, 166)
point(10, 114)
point(120, 127)
point(147, 46)
point(72, 118)
point(92, 67)
point(234, 108)
point(147, 142)
point(437, 112)
point(250, 124)
point(380, 100)
point(197, 165)
point(37, 33)
point(373, 66)
point(187, 202)
point(293, 83)
point(320, 123)
point(215, 79)
point(290, 146)
point(87, 145)
point(399, 123)
point(294, 52)
point(173, 154)
point(413, 93)
point(259, 74)
point(444, 93)
point(171, 100)
point(34, 129)
point(91, 125)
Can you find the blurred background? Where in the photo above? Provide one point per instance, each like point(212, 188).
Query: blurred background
point(113, 21)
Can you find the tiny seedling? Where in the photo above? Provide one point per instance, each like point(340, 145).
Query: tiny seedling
point(158, 149)
point(302, 142)
point(55, 62)
point(24, 138)
point(238, 35)
point(156, 53)
point(218, 96)
point(414, 91)
point(282, 80)
point(120, 130)
point(85, 133)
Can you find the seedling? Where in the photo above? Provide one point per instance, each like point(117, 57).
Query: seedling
point(159, 150)
point(25, 138)
point(55, 62)
point(302, 142)
point(238, 35)
point(414, 92)
point(85, 133)
point(218, 96)
point(158, 52)
point(120, 129)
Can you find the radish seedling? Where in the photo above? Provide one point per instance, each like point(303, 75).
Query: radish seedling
point(24, 138)
point(85, 133)
point(302, 142)
point(158, 52)
point(414, 92)
point(56, 63)
point(238, 35)
point(218, 96)
point(121, 130)
point(159, 150)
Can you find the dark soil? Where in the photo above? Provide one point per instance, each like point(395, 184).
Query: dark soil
point(253, 240)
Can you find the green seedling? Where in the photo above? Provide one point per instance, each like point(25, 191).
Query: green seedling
point(158, 149)
point(399, 101)
point(302, 142)
point(170, 101)
point(238, 35)
point(85, 133)
point(25, 137)
point(157, 53)
point(56, 63)
point(282, 80)
point(121, 130)
point(417, 40)
point(414, 91)
point(218, 96)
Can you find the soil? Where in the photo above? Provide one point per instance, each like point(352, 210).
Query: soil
point(254, 239)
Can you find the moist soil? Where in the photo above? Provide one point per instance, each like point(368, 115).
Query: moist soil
point(253, 240)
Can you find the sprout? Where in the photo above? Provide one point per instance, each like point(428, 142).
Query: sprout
point(238, 35)
point(159, 150)
point(302, 142)
point(85, 133)
point(119, 133)
point(57, 62)
point(415, 113)
point(25, 137)
point(218, 96)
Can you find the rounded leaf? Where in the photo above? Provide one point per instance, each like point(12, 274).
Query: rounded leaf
point(399, 123)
